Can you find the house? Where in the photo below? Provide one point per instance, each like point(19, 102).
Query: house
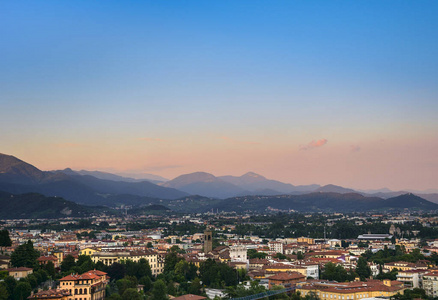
point(331, 290)
point(430, 283)
point(20, 272)
point(44, 260)
point(286, 279)
point(51, 294)
point(87, 286)
point(412, 278)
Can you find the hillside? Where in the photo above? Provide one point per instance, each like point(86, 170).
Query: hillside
point(32, 206)
point(328, 202)
point(19, 177)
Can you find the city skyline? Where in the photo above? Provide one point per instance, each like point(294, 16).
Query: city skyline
point(302, 92)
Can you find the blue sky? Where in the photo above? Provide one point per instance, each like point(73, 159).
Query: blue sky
point(98, 76)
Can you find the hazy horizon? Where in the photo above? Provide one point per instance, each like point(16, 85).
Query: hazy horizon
point(321, 92)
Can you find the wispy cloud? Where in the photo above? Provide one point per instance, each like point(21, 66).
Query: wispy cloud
point(314, 144)
point(354, 148)
point(147, 139)
point(233, 141)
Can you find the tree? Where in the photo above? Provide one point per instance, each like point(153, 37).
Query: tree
point(116, 271)
point(11, 283)
point(280, 256)
point(25, 256)
point(159, 291)
point(126, 283)
point(336, 273)
point(252, 253)
point(5, 240)
point(362, 268)
point(22, 290)
point(50, 268)
point(146, 282)
point(4, 293)
point(195, 287)
point(131, 294)
point(68, 263)
point(217, 275)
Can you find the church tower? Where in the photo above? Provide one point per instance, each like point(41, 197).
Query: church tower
point(208, 241)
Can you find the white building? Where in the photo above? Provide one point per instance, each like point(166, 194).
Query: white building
point(430, 284)
point(276, 247)
point(238, 253)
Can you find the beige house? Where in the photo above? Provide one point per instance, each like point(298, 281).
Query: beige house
point(88, 286)
point(19, 273)
point(108, 258)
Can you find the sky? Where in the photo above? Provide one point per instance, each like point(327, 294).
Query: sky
point(326, 92)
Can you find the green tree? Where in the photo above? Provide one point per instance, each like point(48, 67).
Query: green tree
point(146, 282)
point(22, 290)
point(68, 263)
point(159, 291)
point(126, 283)
point(116, 271)
point(25, 256)
point(4, 293)
point(280, 256)
point(131, 294)
point(217, 275)
point(362, 268)
point(5, 240)
point(32, 280)
point(11, 283)
point(195, 287)
point(336, 273)
point(252, 253)
point(50, 269)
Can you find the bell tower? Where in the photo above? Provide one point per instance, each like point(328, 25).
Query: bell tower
point(208, 241)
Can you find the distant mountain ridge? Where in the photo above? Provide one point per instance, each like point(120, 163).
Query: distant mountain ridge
point(85, 187)
point(204, 184)
point(19, 177)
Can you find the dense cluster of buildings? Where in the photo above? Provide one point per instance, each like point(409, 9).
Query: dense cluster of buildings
point(289, 262)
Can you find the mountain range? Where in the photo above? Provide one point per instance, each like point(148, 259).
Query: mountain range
point(239, 193)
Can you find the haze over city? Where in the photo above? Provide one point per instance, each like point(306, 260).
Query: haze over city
point(302, 92)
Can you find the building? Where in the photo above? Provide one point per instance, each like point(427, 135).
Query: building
point(306, 240)
point(44, 260)
point(89, 251)
point(286, 280)
point(109, 257)
point(276, 247)
point(430, 283)
point(404, 266)
point(412, 278)
point(20, 272)
point(208, 241)
point(374, 236)
point(88, 286)
point(238, 253)
point(332, 290)
point(51, 294)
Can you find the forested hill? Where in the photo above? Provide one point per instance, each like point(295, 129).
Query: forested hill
point(329, 202)
point(32, 205)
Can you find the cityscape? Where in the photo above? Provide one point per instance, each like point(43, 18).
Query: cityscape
point(190, 150)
